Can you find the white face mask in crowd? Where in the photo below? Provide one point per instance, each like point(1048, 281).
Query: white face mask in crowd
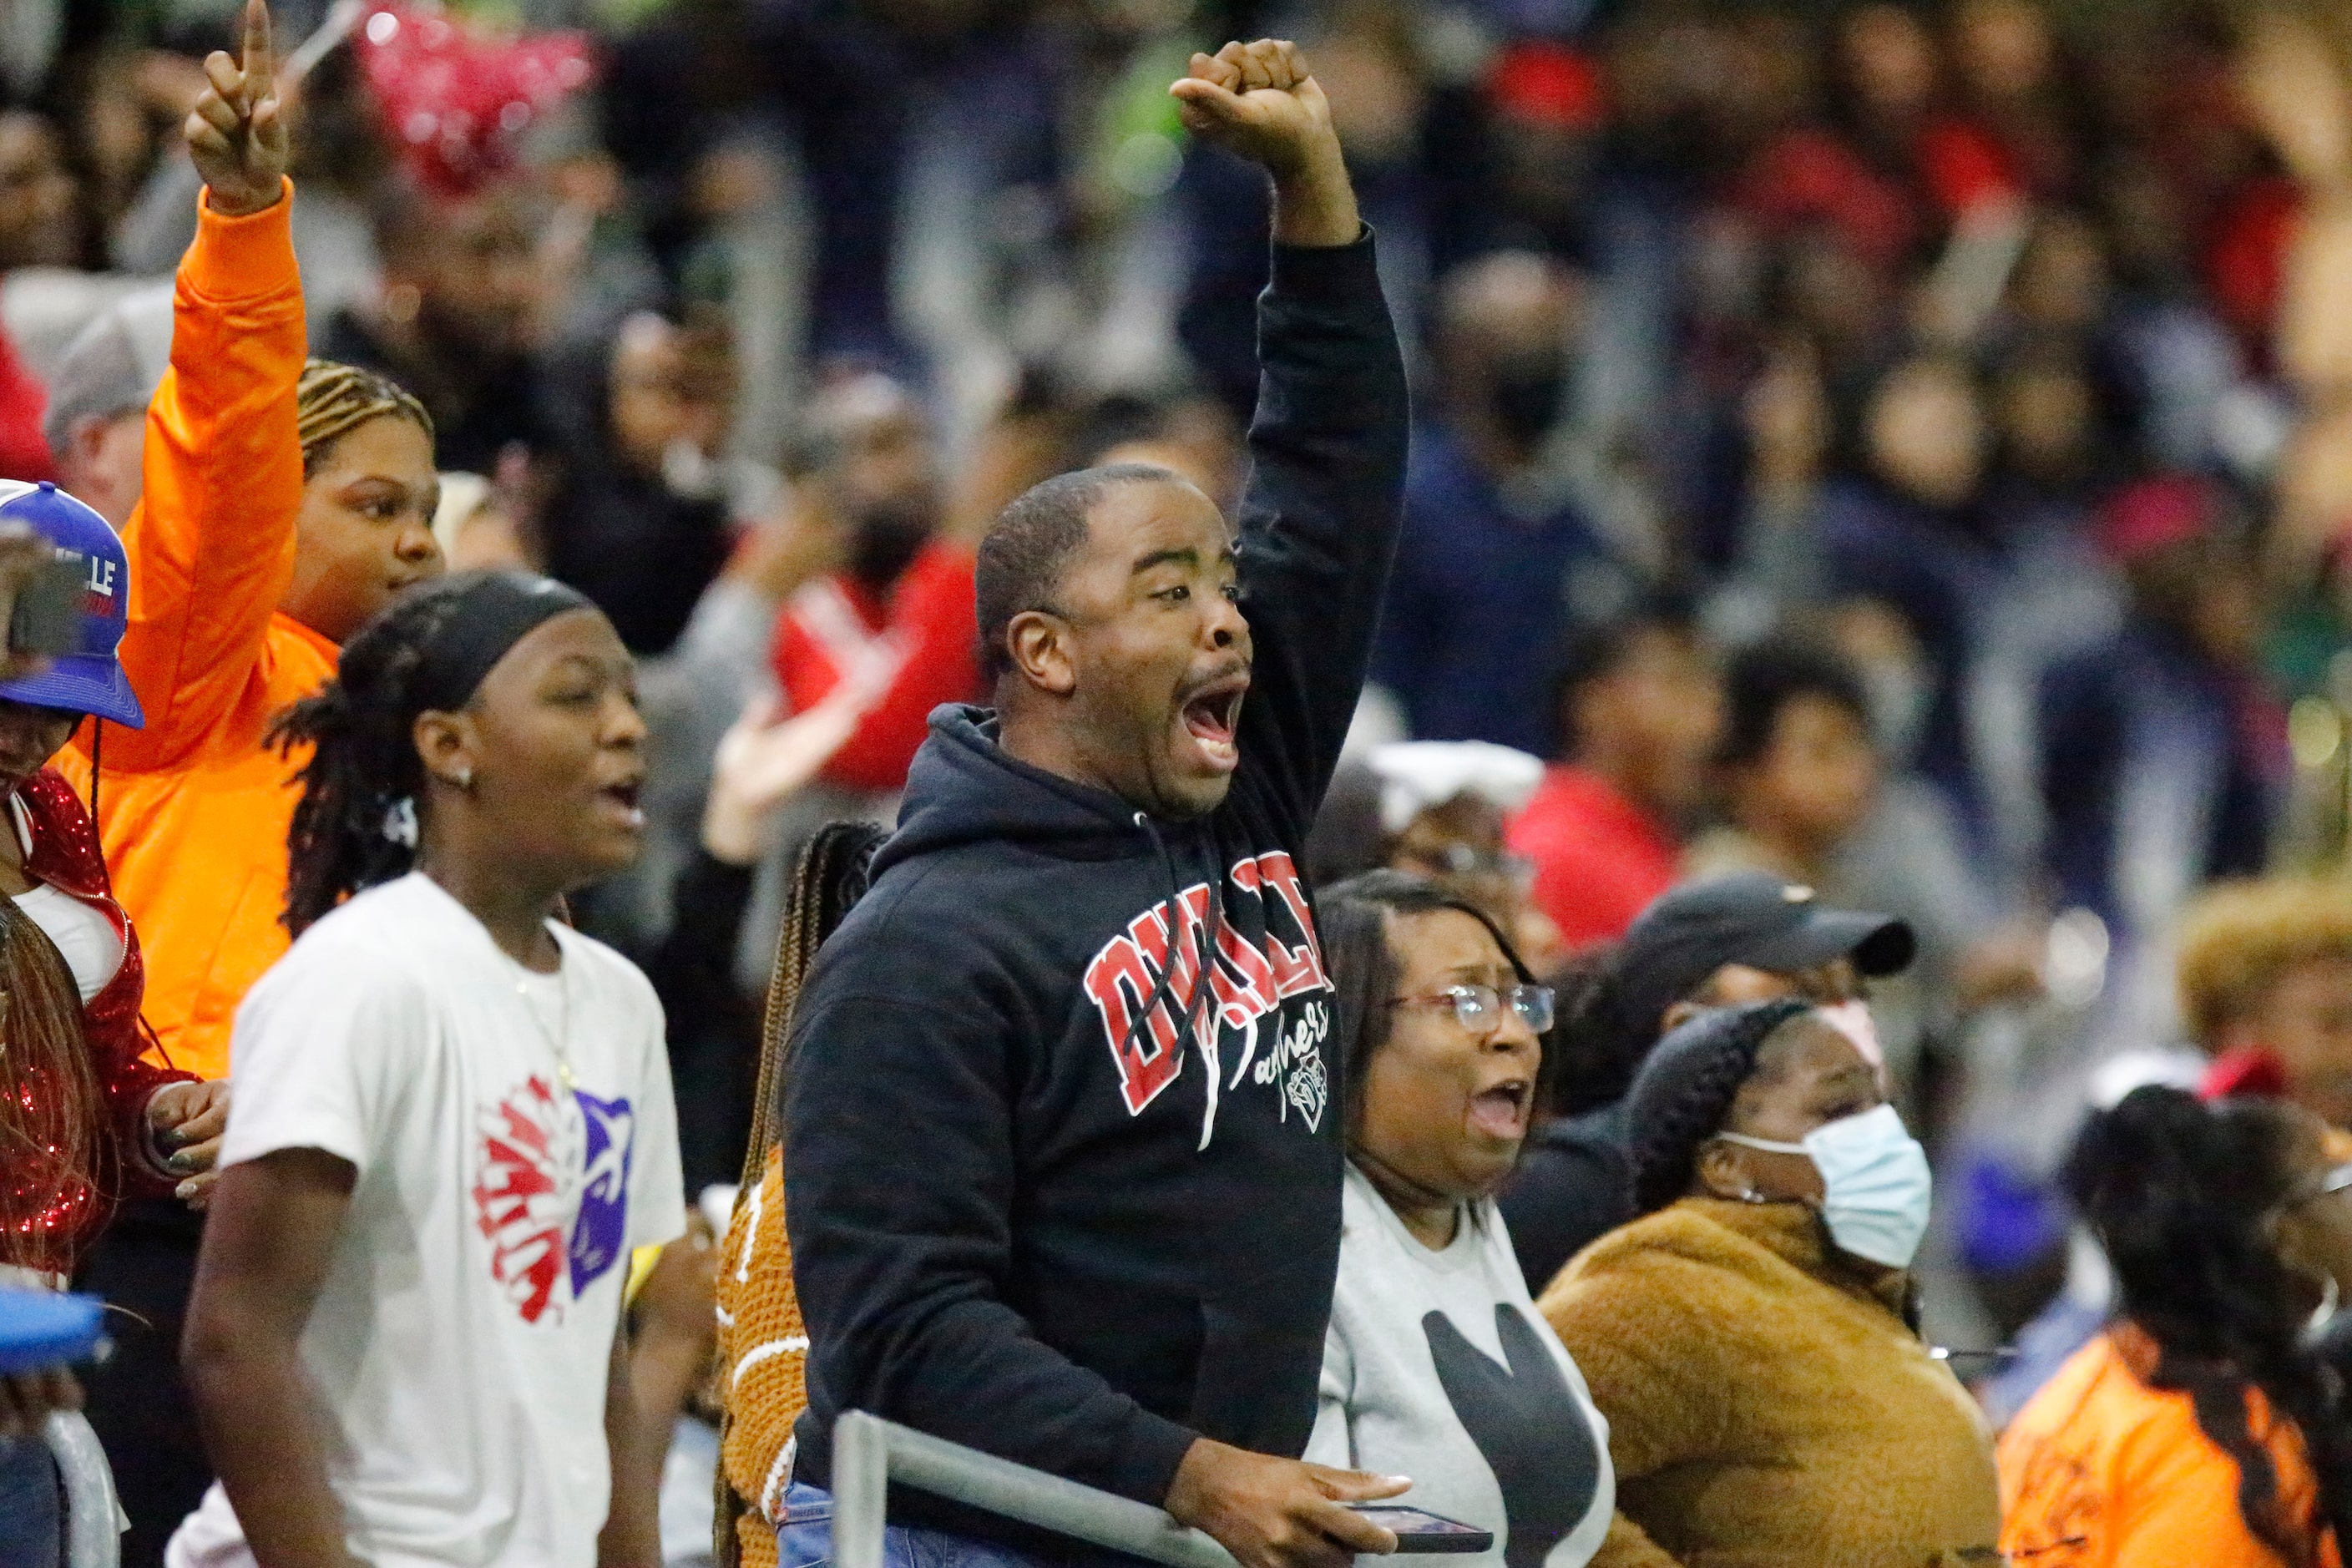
point(1874, 1182)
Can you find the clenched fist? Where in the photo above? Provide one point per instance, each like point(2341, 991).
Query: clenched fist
point(236, 133)
point(1258, 101)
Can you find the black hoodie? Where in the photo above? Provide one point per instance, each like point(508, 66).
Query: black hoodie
point(1030, 1212)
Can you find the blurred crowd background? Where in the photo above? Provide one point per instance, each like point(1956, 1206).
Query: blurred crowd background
point(1898, 448)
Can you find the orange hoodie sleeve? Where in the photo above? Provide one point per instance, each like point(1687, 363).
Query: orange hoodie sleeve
point(212, 544)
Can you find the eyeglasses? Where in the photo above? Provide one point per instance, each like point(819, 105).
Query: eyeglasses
point(1456, 859)
point(1479, 1008)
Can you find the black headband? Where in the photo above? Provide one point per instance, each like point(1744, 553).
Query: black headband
point(495, 612)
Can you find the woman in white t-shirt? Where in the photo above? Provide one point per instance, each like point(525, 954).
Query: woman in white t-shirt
point(1436, 1364)
point(452, 1124)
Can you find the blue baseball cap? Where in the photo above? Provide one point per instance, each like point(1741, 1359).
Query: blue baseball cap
point(89, 679)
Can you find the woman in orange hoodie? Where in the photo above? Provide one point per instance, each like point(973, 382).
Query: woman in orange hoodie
point(285, 500)
point(2200, 1427)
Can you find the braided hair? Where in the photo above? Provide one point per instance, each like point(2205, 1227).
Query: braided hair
point(2180, 1193)
point(1684, 1092)
point(829, 876)
point(333, 400)
point(364, 759)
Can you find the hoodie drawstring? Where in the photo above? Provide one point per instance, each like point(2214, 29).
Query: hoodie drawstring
point(1164, 981)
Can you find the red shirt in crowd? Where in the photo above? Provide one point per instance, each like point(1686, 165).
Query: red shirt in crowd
point(1599, 858)
point(23, 450)
point(922, 638)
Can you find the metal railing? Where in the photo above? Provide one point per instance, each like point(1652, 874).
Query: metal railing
point(869, 1453)
point(94, 1537)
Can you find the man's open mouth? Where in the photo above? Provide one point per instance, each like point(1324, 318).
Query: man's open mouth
point(1212, 717)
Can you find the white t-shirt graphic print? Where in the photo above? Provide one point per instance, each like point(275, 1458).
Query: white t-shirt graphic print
point(1437, 1365)
point(460, 1343)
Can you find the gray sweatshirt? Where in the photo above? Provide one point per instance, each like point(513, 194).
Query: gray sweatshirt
point(1437, 1366)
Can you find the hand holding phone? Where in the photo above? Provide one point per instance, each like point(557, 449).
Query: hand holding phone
point(1418, 1530)
point(1272, 1512)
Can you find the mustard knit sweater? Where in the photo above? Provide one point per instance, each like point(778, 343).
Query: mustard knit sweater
point(1767, 1407)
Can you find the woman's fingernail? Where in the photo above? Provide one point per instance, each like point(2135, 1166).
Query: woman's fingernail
point(185, 1190)
point(183, 1164)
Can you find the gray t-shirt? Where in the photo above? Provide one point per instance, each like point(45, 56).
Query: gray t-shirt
point(1437, 1366)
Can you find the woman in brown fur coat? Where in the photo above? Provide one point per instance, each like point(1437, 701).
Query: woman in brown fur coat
point(1750, 1338)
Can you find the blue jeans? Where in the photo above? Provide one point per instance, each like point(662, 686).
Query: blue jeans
point(32, 1516)
point(805, 1540)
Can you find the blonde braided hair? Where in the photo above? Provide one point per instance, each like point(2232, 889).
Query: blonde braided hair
point(763, 1340)
point(333, 400)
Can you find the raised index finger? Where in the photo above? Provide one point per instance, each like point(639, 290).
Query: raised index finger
point(260, 65)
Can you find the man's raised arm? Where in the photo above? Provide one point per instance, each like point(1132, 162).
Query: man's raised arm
point(1320, 516)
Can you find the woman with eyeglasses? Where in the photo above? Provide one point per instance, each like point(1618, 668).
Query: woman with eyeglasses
point(1436, 1364)
point(2204, 1425)
point(1752, 1338)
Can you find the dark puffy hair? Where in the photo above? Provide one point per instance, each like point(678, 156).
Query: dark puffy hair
point(1353, 918)
point(1600, 1051)
point(1595, 650)
point(1021, 559)
point(1764, 679)
point(1685, 1088)
point(2180, 1193)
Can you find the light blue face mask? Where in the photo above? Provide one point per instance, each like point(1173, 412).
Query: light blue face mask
point(1874, 1180)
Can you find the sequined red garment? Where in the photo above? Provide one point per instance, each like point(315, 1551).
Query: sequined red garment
point(64, 853)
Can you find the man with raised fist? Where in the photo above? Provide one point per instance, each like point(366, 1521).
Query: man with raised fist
point(1062, 1148)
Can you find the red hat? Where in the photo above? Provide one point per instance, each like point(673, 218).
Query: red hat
point(1549, 84)
point(2250, 1070)
point(454, 100)
point(2150, 514)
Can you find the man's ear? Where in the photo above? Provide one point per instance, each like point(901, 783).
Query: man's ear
point(1039, 642)
point(84, 437)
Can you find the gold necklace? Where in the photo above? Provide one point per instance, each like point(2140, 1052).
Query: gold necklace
point(523, 973)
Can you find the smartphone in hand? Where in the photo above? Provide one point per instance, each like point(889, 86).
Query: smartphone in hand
point(1418, 1530)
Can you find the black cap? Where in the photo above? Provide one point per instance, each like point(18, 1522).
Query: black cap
point(1748, 917)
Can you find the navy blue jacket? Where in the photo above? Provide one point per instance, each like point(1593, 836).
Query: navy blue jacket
point(1482, 602)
